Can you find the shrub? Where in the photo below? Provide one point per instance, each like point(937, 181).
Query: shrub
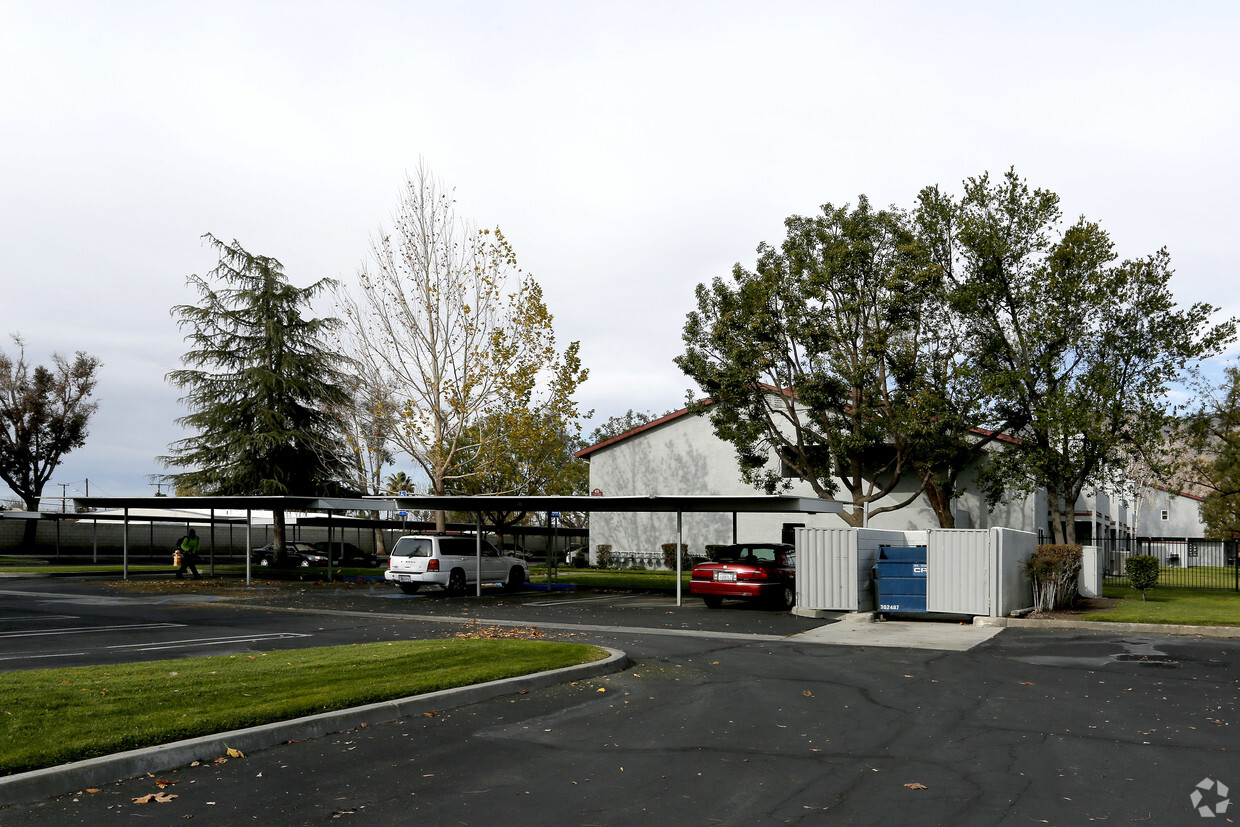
point(1053, 571)
point(604, 556)
point(669, 554)
point(580, 560)
point(712, 550)
point(1142, 572)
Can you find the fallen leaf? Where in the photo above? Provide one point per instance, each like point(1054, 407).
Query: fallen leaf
point(235, 753)
point(92, 789)
point(916, 786)
point(161, 798)
point(808, 694)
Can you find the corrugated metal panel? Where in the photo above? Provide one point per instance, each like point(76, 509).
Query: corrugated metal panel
point(1012, 588)
point(958, 576)
point(827, 569)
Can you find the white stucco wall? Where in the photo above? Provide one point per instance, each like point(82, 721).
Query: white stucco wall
point(1183, 515)
point(683, 456)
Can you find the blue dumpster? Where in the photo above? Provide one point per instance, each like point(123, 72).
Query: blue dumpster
point(900, 579)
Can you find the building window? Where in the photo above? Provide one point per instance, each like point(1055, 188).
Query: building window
point(1166, 515)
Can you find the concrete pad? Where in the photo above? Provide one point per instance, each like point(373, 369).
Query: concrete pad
point(861, 629)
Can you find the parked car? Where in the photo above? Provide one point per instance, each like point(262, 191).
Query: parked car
point(298, 554)
point(748, 571)
point(449, 561)
point(347, 554)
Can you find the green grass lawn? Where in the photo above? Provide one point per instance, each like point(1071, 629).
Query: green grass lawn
point(1190, 607)
point(108, 568)
point(50, 716)
point(1173, 576)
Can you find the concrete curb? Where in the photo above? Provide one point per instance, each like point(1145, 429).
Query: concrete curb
point(36, 785)
point(1099, 626)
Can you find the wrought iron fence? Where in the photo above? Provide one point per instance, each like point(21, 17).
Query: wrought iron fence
point(1184, 562)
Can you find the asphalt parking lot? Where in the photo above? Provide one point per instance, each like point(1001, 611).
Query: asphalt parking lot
point(734, 716)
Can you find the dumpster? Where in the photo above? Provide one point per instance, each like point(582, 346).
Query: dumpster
point(900, 579)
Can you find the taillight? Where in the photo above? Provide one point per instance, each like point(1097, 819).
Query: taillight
point(432, 564)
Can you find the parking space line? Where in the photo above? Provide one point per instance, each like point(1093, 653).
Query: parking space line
point(609, 598)
point(208, 641)
point(80, 629)
point(36, 657)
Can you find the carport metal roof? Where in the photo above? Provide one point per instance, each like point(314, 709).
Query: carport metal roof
point(669, 503)
point(677, 504)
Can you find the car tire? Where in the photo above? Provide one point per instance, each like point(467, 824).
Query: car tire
point(712, 601)
point(456, 582)
point(410, 588)
point(788, 598)
point(516, 578)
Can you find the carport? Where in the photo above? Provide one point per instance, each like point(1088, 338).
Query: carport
point(679, 505)
point(249, 505)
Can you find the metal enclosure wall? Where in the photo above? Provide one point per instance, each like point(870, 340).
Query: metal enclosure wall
point(834, 565)
point(827, 569)
point(958, 571)
point(1012, 587)
point(970, 571)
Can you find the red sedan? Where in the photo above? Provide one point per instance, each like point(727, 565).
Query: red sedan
point(748, 571)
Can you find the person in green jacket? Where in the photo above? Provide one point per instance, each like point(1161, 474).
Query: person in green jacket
point(189, 546)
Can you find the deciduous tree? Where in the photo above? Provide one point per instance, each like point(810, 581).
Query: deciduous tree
point(44, 414)
point(796, 356)
point(445, 319)
point(1077, 349)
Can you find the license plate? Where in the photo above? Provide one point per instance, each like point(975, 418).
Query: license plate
point(725, 577)
point(403, 578)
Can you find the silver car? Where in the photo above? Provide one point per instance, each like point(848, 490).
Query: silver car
point(450, 562)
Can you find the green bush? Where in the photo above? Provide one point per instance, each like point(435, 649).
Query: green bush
point(580, 560)
point(1142, 572)
point(1053, 570)
point(604, 555)
point(712, 550)
point(669, 554)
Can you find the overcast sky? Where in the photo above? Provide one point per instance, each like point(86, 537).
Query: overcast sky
point(629, 151)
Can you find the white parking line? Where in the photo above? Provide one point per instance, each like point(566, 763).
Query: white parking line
point(78, 629)
point(36, 657)
point(607, 598)
point(206, 641)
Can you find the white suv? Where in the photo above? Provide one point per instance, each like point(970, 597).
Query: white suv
point(449, 561)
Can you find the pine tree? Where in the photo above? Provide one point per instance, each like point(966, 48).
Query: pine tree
point(261, 386)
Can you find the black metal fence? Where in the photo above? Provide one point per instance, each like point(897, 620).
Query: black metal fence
point(1184, 562)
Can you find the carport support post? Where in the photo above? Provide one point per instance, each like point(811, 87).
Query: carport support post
point(247, 547)
point(212, 542)
point(329, 547)
point(125, 546)
point(680, 533)
point(477, 553)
